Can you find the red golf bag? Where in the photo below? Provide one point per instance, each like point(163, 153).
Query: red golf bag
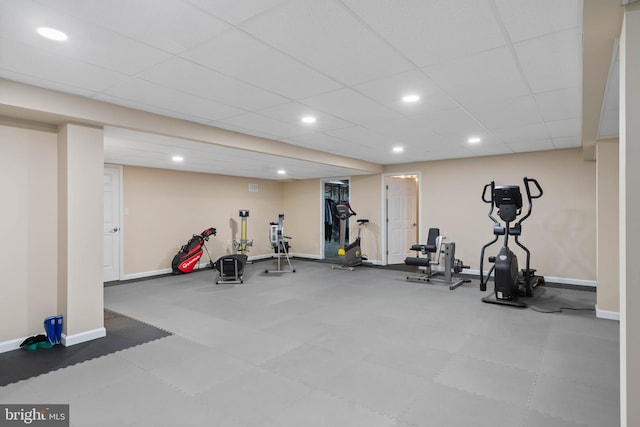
point(189, 255)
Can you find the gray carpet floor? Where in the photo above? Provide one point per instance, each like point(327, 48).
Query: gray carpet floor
point(325, 347)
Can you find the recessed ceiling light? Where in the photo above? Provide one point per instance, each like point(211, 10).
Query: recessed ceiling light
point(474, 140)
point(398, 149)
point(411, 98)
point(177, 158)
point(308, 119)
point(281, 172)
point(52, 34)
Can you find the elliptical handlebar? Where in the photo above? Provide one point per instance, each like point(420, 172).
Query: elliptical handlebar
point(529, 196)
point(526, 185)
point(492, 184)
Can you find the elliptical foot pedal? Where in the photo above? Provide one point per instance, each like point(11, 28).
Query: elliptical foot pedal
point(491, 299)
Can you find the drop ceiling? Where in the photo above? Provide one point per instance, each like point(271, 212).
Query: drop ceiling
point(506, 71)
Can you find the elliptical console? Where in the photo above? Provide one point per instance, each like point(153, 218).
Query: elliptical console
point(509, 282)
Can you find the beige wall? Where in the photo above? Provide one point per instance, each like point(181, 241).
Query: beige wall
point(366, 200)
point(301, 205)
point(165, 208)
point(607, 171)
point(561, 233)
point(629, 217)
point(28, 255)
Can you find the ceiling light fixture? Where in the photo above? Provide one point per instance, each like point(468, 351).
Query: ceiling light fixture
point(411, 98)
point(308, 119)
point(281, 172)
point(398, 149)
point(177, 158)
point(474, 140)
point(52, 34)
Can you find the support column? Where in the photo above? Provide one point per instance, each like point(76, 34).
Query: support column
point(608, 230)
point(80, 220)
point(629, 217)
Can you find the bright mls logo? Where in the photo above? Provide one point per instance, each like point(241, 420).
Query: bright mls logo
point(34, 415)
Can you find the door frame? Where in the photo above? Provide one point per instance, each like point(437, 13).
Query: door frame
point(385, 223)
point(119, 170)
point(322, 182)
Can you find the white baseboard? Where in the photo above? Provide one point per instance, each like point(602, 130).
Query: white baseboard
point(606, 314)
point(66, 340)
point(551, 279)
point(146, 274)
point(309, 256)
point(11, 345)
point(69, 340)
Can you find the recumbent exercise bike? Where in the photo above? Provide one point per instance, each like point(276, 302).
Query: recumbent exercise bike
point(510, 283)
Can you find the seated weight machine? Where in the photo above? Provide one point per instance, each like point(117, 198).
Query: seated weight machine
point(509, 282)
point(280, 244)
point(435, 245)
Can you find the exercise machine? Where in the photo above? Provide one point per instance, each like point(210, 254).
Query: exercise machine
point(509, 282)
point(351, 254)
point(242, 246)
point(231, 267)
point(432, 252)
point(280, 244)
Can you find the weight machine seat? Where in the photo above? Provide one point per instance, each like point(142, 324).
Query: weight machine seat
point(431, 246)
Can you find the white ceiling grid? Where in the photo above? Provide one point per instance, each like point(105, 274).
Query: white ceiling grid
point(507, 71)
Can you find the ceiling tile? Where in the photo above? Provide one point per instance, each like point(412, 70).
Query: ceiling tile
point(43, 68)
point(234, 11)
point(531, 145)
point(197, 80)
point(534, 132)
point(567, 142)
point(360, 134)
point(87, 43)
point(151, 22)
point(402, 130)
point(389, 91)
point(560, 104)
point(257, 122)
point(489, 149)
point(551, 62)
point(506, 113)
point(525, 19)
point(37, 81)
point(451, 121)
point(327, 37)
point(150, 94)
point(432, 31)
point(350, 106)
point(256, 66)
point(242, 56)
point(317, 141)
point(147, 150)
point(483, 77)
point(292, 113)
point(565, 128)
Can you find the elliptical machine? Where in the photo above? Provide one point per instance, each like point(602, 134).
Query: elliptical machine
point(509, 282)
point(351, 254)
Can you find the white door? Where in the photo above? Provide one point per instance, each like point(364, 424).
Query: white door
point(402, 221)
point(111, 230)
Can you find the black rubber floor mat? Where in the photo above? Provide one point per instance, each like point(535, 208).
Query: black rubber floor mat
point(122, 332)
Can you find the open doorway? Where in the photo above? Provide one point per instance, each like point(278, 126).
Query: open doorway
point(401, 215)
point(334, 192)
